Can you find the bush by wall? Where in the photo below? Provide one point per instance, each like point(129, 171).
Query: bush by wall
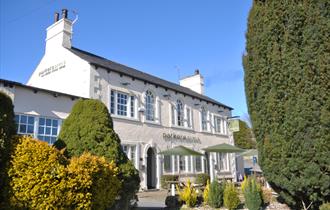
point(252, 194)
point(230, 197)
point(216, 194)
point(165, 178)
point(188, 194)
point(89, 128)
point(42, 178)
point(202, 179)
point(7, 130)
point(325, 206)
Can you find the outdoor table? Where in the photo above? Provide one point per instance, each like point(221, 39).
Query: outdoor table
point(172, 185)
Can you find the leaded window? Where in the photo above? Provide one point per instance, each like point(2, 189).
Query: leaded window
point(150, 106)
point(204, 119)
point(180, 113)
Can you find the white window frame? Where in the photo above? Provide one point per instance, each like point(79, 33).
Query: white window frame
point(188, 117)
point(44, 135)
point(113, 105)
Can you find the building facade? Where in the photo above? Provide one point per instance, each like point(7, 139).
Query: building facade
point(149, 114)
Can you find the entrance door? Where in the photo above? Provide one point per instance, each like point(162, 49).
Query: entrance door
point(151, 168)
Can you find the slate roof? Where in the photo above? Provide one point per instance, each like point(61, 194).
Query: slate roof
point(125, 70)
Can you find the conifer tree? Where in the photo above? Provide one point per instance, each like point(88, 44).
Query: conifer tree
point(287, 83)
point(244, 137)
point(89, 128)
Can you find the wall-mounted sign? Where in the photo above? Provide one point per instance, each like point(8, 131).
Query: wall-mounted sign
point(172, 137)
point(234, 125)
point(52, 69)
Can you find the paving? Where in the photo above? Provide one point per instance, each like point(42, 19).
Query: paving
point(152, 200)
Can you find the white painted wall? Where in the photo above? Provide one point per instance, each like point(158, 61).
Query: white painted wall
point(194, 82)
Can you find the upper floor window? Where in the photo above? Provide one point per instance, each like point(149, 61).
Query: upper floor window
point(179, 113)
point(150, 106)
point(220, 125)
point(122, 104)
point(204, 119)
point(25, 124)
point(189, 117)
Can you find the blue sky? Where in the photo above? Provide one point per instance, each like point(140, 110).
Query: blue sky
point(166, 38)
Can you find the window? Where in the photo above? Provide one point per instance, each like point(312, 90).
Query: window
point(173, 114)
point(188, 112)
point(112, 102)
point(180, 113)
point(182, 163)
point(189, 165)
point(167, 163)
point(218, 125)
point(25, 124)
point(198, 164)
point(130, 151)
point(175, 162)
point(150, 106)
point(204, 119)
point(122, 104)
point(222, 160)
point(48, 130)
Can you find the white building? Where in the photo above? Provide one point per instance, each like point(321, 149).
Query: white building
point(149, 114)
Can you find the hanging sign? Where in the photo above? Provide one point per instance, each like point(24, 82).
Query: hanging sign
point(234, 125)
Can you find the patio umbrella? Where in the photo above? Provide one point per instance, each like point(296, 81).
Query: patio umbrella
point(249, 152)
point(223, 148)
point(180, 150)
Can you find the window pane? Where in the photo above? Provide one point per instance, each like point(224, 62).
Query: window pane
point(167, 163)
point(132, 106)
point(54, 131)
point(122, 104)
point(17, 119)
point(198, 164)
point(41, 121)
point(112, 102)
point(23, 119)
point(30, 120)
point(150, 106)
point(22, 128)
point(41, 130)
point(180, 113)
point(48, 122)
point(48, 130)
point(30, 129)
point(55, 123)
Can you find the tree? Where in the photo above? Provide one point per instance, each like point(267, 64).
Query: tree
point(287, 74)
point(244, 137)
point(89, 128)
point(7, 131)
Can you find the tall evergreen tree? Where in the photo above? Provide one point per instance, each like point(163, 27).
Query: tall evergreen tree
point(287, 83)
point(89, 128)
point(244, 137)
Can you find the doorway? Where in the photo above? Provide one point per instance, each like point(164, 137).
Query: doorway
point(151, 168)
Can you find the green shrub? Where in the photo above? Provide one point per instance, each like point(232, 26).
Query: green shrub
point(42, 178)
point(89, 128)
point(188, 194)
point(216, 194)
point(202, 179)
point(252, 194)
point(206, 192)
point(7, 130)
point(325, 206)
point(230, 197)
point(165, 178)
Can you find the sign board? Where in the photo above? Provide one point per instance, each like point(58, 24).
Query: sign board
point(172, 137)
point(234, 125)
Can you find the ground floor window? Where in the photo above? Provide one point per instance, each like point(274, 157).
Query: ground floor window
point(198, 164)
point(222, 161)
point(40, 127)
point(130, 151)
point(183, 163)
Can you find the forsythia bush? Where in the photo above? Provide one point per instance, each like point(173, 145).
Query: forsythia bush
point(42, 178)
point(188, 194)
point(252, 194)
point(206, 192)
point(230, 197)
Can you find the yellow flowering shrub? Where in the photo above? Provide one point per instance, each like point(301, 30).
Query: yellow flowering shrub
point(206, 192)
point(92, 181)
point(188, 194)
point(42, 178)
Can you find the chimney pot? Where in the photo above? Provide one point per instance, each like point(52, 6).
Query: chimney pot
point(196, 71)
point(64, 13)
point(56, 17)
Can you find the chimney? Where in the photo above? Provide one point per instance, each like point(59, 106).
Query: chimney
point(194, 82)
point(59, 34)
